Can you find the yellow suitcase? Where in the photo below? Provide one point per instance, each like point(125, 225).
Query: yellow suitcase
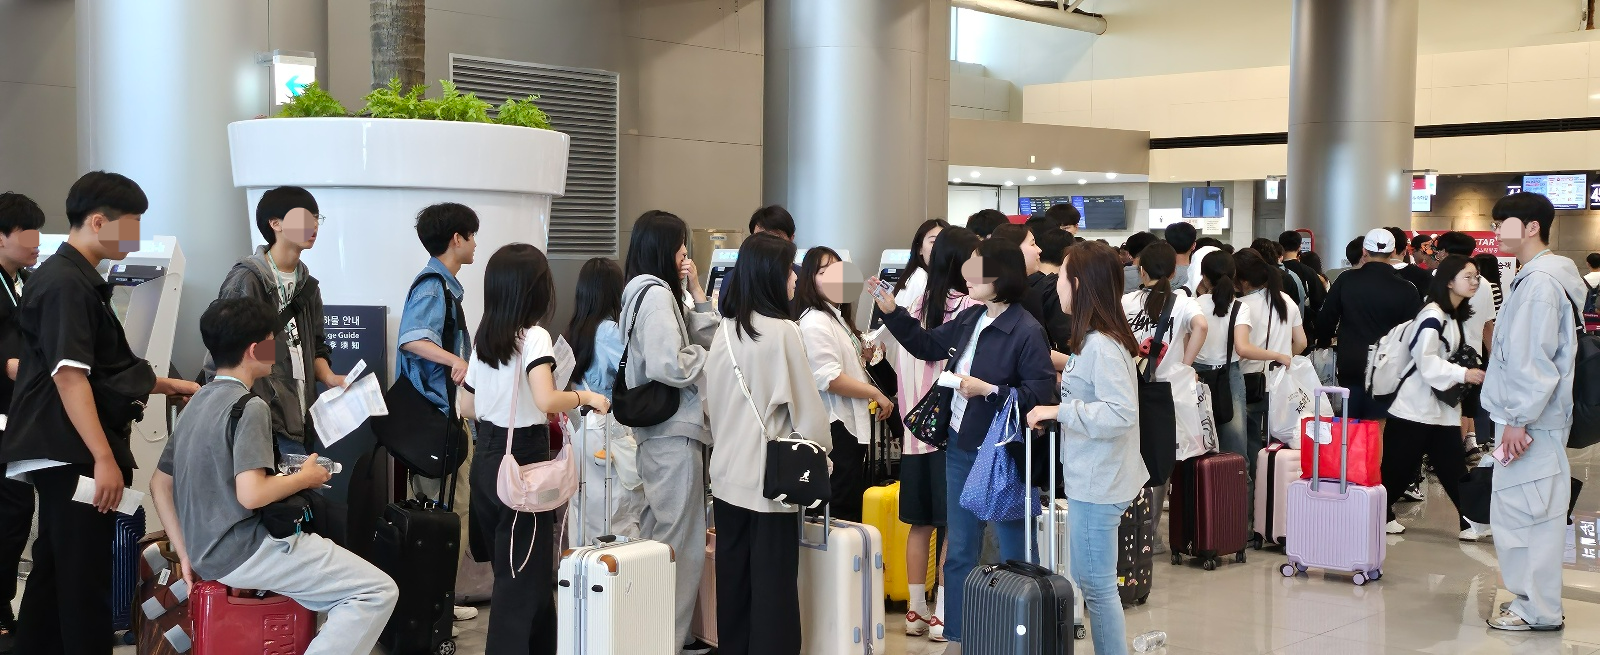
point(880, 508)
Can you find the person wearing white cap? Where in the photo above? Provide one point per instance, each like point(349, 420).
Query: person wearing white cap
point(1363, 305)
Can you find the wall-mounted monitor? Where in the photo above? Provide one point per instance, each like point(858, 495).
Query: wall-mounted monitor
point(1104, 213)
point(1028, 206)
point(1202, 202)
point(1564, 191)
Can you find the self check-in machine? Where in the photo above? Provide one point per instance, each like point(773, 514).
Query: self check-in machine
point(891, 265)
point(722, 261)
point(144, 295)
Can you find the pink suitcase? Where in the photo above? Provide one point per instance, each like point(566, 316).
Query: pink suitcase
point(1276, 466)
point(1333, 524)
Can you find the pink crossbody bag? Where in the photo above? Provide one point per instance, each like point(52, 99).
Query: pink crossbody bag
point(537, 487)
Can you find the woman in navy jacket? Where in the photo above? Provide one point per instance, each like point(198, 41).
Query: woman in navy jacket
point(1011, 352)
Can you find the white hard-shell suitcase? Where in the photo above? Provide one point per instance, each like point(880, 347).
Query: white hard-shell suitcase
point(841, 587)
point(617, 598)
point(1062, 562)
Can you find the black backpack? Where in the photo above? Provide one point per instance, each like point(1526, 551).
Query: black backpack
point(1585, 385)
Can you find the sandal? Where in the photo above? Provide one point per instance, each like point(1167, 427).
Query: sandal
point(936, 630)
point(912, 629)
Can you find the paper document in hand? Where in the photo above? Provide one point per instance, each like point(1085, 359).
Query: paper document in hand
point(131, 498)
point(339, 411)
point(565, 362)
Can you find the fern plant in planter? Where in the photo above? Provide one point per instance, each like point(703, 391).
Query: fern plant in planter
point(393, 101)
point(522, 113)
point(452, 105)
point(313, 102)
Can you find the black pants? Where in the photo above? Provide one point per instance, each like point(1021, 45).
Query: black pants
point(66, 606)
point(849, 478)
point(522, 548)
point(1404, 444)
point(16, 518)
point(758, 595)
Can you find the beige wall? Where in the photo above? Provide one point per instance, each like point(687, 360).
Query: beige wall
point(38, 103)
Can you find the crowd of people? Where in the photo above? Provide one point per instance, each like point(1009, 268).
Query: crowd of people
point(1026, 313)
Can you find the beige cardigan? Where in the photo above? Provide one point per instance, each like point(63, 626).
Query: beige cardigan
point(781, 385)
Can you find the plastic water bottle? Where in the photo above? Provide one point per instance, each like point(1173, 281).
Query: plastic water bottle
point(291, 464)
point(1149, 641)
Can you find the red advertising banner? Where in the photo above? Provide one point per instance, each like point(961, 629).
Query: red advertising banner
point(1488, 243)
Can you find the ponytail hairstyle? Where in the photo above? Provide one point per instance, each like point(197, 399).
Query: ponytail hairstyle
point(1218, 269)
point(917, 263)
point(1158, 260)
point(1256, 272)
point(1096, 271)
point(950, 250)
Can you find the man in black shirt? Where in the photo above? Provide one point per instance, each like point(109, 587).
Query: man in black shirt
point(20, 220)
point(71, 417)
point(1363, 305)
point(1416, 275)
point(985, 221)
point(1316, 294)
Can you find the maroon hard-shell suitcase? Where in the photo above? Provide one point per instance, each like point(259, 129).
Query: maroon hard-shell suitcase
point(1210, 501)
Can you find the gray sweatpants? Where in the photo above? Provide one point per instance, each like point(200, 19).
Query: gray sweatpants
point(673, 470)
point(323, 577)
point(1530, 535)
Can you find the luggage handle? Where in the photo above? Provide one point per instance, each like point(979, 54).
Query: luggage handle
point(1051, 432)
point(1344, 440)
point(827, 526)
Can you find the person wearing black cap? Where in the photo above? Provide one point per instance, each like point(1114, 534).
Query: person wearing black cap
point(1363, 305)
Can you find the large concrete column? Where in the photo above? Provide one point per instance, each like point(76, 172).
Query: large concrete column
point(847, 120)
point(1352, 95)
point(158, 83)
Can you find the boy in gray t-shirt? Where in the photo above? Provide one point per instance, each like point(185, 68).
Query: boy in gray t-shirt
point(209, 485)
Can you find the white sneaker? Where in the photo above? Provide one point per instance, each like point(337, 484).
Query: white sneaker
point(1470, 444)
point(464, 613)
point(455, 632)
point(1394, 527)
point(1476, 532)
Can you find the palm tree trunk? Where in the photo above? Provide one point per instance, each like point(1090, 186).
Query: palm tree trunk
point(397, 42)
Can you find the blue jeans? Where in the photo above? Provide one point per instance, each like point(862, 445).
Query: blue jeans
point(966, 537)
point(1094, 568)
point(1231, 435)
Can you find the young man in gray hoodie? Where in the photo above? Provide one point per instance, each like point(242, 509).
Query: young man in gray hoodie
point(1528, 393)
point(287, 218)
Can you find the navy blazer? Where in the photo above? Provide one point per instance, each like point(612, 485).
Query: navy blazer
point(1012, 353)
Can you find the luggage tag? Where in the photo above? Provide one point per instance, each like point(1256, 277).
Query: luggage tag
point(1322, 432)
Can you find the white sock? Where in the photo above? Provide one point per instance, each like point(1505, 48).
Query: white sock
point(919, 599)
point(938, 603)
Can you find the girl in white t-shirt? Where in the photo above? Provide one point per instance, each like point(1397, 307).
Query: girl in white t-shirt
point(1218, 361)
point(1275, 335)
point(1180, 344)
point(510, 387)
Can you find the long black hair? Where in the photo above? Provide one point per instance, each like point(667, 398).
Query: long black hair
point(653, 249)
point(598, 299)
point(1254, 270)
point(1218, 269)
point(1158, 261)
point(917, 263)
point(1488, 267)
point(762, 285)
point(807, 295)
point(952, 249)
point(1439, 288)
point(518, 292)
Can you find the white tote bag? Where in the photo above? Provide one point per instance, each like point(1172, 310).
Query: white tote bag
point(1290, 399)
point(1196, 434)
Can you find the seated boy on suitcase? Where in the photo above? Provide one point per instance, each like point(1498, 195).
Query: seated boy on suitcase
point(212, 480)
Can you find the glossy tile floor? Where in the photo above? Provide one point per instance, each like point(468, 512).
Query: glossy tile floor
point(1434, 596)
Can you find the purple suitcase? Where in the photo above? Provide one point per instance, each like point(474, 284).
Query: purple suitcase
point(1333, 524)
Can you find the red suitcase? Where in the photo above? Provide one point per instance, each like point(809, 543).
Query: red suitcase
point(233, 621)
point(1210, 501)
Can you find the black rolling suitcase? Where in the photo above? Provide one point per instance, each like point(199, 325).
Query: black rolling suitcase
point(1136, 550)
point(418, 543)
point(1019, 608)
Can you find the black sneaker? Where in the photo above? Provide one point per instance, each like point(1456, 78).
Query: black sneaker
point(8, 629)
point(699, 648)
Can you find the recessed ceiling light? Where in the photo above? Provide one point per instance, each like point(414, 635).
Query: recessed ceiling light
point(975, 174)
point(1032, 178)
point(1055, 171)
point(1111, 176)
point(1082, 181)
point(1008, 183)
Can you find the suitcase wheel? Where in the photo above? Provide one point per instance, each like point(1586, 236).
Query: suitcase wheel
point(129, 638)
point(447, 648)
point(1080, 633)
point(1239, 557)
point(1288, 570)
point(1257, 541)
point(1177, 559)
point(1209, 564)
point(1359, 578)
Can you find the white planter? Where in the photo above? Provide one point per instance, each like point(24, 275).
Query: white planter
point(372, 176)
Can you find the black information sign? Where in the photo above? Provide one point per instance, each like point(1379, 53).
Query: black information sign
point(355, 333)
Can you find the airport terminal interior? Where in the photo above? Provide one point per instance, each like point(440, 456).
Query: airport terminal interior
point(1274, 135)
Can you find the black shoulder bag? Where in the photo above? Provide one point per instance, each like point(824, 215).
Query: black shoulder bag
point(290, 516)
point(929, 419)
point(651, 403)
point(1158, 422)
point(412, 428)
point(1465, 395)
point(1219, 381)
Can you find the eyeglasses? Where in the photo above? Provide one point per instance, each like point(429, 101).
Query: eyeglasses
point(321, 218)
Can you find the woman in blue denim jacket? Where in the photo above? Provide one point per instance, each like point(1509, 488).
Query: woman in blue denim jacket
point(1102, 470)
point(998, 347)
point(596, 341)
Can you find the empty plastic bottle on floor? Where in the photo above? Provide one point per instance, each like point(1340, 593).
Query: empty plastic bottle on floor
point(1149, 641)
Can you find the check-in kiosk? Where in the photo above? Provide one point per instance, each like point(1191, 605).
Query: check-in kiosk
point(144, 294)
point(722, 262)
point(891, 265)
